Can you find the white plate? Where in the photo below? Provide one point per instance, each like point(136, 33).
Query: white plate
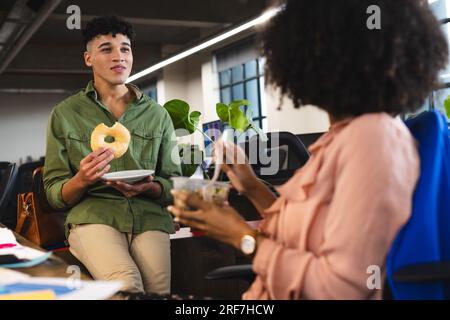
point(128, 176)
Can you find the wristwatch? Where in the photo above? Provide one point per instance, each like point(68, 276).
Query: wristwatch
point(248, 243)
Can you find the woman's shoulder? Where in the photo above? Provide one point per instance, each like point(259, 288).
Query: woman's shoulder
point(377, 129)
point(377, 138)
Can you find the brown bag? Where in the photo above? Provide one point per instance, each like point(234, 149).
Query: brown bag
point(37, 221)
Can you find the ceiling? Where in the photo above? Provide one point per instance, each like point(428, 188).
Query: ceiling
point(38, 53)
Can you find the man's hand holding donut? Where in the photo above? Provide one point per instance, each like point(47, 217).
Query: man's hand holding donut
point(92, 169)
point(147, 187)
point(95, 165)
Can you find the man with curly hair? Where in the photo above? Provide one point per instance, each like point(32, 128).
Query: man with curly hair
point(119, 231)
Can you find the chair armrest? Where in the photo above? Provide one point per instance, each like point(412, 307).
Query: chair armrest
point(242, 272)
point(424, 272)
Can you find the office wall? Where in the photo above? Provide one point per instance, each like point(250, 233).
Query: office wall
point(23, 124)
point(24, 117)
point(307, 119)
point(195, 80)
point(185, 80)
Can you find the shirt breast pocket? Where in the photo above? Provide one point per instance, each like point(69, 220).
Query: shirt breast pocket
point(145, 145)
point(78, 147)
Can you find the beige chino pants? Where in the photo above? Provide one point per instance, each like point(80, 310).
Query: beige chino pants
point(140, 261)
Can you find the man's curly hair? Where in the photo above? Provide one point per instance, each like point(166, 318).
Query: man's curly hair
point(104, 25)
point(321, 52)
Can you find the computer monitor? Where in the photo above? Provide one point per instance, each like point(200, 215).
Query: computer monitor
point(213, 130)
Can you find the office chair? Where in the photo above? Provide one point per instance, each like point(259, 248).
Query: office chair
point(285, 147)
point(418, 265)
point(240, 272)
point(7, 181)
point(309, 138)
point(3, 166)
point(293, 155)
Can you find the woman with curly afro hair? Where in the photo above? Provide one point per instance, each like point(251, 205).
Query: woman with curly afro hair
point(336, 218)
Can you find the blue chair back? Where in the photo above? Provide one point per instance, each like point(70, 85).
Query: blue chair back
point(426, 236)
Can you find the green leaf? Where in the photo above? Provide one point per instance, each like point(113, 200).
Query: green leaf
point(194, 118)
point(179, 113)
point(239, 103)
point(222, 112)
point(447, 106)
point(233, 115)
point(238, 120)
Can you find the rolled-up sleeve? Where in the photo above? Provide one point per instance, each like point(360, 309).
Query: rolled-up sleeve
point(57, 169)
point(168, 164)
point(375, 180)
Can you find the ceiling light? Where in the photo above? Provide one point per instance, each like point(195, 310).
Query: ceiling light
point(250, 24)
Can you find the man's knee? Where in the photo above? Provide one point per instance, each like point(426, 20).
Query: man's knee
point(160, 284)
point(131, 279)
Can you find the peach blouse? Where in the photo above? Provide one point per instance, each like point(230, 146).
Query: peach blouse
point(338, 215)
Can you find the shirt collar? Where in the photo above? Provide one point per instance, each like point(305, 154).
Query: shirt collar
point(325, 139)
point(90, 90)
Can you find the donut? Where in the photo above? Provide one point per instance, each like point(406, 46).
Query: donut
point(120, 134)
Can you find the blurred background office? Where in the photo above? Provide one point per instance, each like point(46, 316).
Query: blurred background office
point(41, 63)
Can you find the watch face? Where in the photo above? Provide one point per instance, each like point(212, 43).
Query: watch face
point(248, 244)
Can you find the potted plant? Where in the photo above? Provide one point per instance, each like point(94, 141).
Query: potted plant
point(237, 120)
point(186, 122)
point(447, 107)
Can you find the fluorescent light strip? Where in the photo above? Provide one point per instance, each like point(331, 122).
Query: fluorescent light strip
point(261, 19)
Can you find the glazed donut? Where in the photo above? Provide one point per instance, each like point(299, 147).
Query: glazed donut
point(120, 134)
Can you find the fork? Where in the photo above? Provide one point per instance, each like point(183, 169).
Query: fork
point(199, 172)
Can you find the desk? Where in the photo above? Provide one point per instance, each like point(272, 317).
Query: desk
point(54, 267)
point(192, 258)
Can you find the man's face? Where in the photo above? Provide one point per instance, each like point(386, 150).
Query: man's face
point(110, 57)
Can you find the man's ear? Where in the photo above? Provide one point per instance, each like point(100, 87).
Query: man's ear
point(87, 59)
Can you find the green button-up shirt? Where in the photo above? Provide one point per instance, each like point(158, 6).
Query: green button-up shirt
point(152, 146)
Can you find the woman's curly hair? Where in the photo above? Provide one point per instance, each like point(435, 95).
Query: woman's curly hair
point(322, 52)
point(104, 25)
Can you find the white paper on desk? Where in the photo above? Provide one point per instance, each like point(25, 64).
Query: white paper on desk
point(94, 290)
point(87, 290)
point(6, 236)
point(21, 252)
point(8, 276)
point(182, 233)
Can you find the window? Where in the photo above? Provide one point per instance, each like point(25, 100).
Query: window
point(150, 89)
point(244, 81)
point(241, 76)
point(213, 130)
